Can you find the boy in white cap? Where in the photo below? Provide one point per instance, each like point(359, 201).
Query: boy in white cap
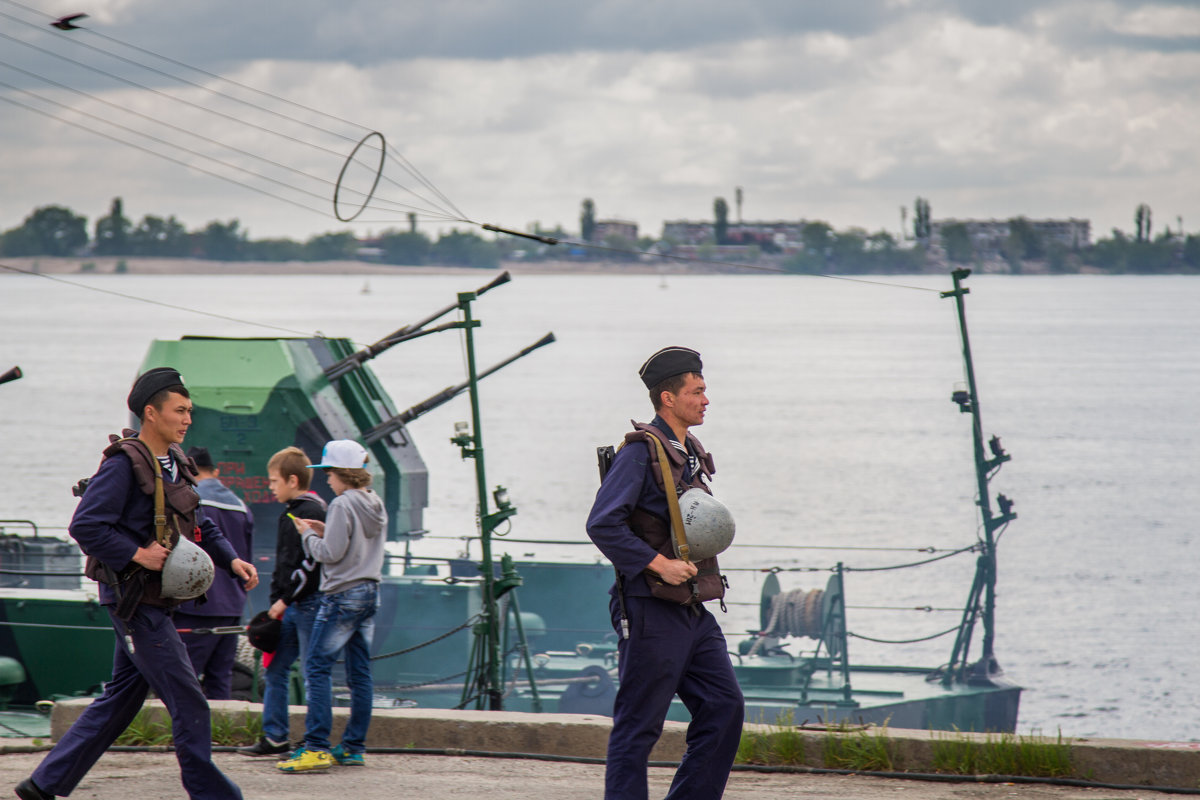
point(349, 545)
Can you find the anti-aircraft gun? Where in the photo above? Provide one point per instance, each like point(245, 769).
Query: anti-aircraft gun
point(255, 396)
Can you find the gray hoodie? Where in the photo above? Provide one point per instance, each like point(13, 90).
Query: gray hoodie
point(352, 550)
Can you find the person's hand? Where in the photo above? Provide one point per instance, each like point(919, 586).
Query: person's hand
point(276, 610)
point(152, 556)
point(315, 525)
point(673, 570)
point(246, 571)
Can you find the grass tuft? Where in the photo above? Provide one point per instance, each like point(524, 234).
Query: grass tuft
point(1003, 754)
point(781, 744)
point(152, 728)
point(860, 750)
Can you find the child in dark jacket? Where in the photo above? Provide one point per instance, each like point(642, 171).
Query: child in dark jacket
point(295, 593)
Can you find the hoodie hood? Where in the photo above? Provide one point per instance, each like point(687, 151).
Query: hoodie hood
point(367, 508)
point(352, 549)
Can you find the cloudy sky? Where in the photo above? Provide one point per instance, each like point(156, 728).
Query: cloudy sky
point(513, 111)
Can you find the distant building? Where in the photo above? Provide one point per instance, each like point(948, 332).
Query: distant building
point(989, 235)
point(784, 235)
point(606, 228)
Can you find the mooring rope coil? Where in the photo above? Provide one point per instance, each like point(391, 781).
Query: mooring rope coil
point(795, 613)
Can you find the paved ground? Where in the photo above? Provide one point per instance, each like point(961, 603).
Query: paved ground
point(121, 776)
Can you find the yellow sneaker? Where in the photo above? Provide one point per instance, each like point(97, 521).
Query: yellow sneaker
point(304, 760)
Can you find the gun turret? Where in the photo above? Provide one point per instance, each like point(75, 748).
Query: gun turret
point(355, 360)
point(11, 375)
point(449, 393)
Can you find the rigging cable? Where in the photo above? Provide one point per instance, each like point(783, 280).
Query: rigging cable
point(187, 132)
point(225, 317)
point(441, 213)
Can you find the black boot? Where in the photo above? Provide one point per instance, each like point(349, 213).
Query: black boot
point(28, 790)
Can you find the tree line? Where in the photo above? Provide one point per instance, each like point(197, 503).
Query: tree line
point(59, 231)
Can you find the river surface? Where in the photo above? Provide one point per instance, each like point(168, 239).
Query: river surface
point(831, 423)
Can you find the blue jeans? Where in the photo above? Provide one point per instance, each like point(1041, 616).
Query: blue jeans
point(294, 635)
point(345, 624)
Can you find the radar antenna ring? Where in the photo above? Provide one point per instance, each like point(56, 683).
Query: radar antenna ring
point(337, 189)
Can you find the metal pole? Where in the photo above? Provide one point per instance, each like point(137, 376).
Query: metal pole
point(515, 608)
point(983, 467)
point(490, 621)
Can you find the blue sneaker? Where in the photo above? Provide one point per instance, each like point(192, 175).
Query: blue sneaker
point(347, 759)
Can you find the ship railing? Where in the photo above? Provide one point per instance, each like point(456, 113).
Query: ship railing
point(820, 615)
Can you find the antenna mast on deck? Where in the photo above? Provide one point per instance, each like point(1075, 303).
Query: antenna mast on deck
point(982, 599)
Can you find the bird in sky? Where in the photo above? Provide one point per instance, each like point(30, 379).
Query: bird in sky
point(67, 23)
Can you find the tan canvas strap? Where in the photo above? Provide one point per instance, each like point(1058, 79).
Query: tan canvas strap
point(681, 544)
point(160, 506)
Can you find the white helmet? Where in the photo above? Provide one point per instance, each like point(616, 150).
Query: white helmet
point(187, 572)
point(707, 524)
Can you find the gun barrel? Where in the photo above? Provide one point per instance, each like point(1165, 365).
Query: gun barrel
point(445, 395)
point(356, 359)
point(11, 375)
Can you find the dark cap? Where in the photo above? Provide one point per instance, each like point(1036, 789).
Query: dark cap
point(150, 383)
point(667, 363)
point(201, 456)
point(264, 632)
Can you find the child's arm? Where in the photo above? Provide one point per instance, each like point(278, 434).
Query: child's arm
point(329, 547)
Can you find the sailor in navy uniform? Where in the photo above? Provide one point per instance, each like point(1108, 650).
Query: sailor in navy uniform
point(664, 648)
point(212, 654)
point(114, 522)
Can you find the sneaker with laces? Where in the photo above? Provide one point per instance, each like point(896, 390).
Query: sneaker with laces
point(305, 760)
point(265, 747)
point(347, 759)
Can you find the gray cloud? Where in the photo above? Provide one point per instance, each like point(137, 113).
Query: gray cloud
point(365, 32)
point(518, 111)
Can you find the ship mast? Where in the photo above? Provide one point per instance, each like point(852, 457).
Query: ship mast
point(982, 598)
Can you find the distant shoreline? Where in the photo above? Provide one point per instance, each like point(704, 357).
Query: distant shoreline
point(108, 265)
point(137, 265)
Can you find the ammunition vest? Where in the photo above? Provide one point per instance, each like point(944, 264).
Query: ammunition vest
point(176, 517)
point(656, 532)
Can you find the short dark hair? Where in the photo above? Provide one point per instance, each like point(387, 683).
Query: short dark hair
point(672, 384)
point(160, 397)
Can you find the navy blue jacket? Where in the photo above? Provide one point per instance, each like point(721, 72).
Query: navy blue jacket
point(629, 484)
point(115, 517)
point(226, 597)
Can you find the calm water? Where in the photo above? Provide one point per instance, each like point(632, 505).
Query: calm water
point(830, 421)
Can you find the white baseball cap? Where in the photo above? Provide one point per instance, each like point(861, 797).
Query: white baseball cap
point(343, 454)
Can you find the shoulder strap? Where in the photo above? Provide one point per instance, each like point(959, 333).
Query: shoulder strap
point(681, 545)
point(131, 445)
point(160, 510)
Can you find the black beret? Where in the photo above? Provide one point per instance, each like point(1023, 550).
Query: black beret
point(150, 383)
point(201, 456)
point(264, 632)
point(667, 363)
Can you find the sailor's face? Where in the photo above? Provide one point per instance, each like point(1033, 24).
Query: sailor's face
point(171, 422)
point(691, 401)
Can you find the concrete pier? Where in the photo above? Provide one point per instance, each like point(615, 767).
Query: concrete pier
point(1171, 766)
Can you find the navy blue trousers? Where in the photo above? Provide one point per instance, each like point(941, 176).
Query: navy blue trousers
point(672, 650)
point(212, 654)
point(160, 662)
